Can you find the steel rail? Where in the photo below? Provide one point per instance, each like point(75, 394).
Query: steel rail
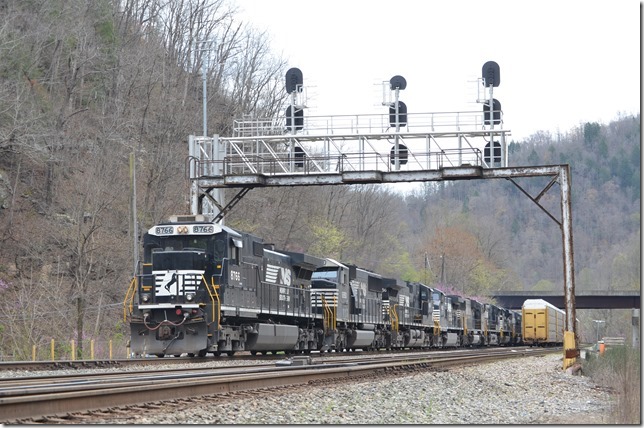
point(102, 395)
point(53, 379)
point(34, 366)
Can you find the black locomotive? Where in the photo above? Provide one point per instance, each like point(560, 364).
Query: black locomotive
point(206, 288)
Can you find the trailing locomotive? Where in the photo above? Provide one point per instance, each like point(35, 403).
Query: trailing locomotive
point(206, 288)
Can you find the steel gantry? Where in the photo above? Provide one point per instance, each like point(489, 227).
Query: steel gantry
point(361, 149)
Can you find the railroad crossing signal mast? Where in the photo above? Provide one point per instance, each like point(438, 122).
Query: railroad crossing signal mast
point(400, 146)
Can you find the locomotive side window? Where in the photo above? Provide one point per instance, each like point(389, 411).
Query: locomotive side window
point(258, 249)
point(220, 249)
point(236, 251)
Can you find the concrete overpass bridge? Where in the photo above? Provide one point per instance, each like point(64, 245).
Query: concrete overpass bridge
point(586, 299)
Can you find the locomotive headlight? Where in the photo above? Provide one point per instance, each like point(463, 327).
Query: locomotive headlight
point(190, 297)
point(145, 298)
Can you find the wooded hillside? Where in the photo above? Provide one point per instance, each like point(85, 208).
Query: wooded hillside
point(84, 85)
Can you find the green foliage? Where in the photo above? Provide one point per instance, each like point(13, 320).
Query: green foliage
point(602, 149)
point(485, 278)
point(513, 147)
point(619, 369)
point(105, 31)
point(328, 240)
point(586, 279)
point(543, 285)
point(534, 158)
point(591, 133)
point(409, 273)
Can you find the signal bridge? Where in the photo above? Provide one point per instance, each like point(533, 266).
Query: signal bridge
point(344, 149)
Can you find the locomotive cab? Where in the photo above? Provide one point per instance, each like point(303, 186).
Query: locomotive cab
point(330, 290)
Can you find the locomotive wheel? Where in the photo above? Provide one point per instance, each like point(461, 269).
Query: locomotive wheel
point(217, 353)
point(201, 353)
point(191, 355)
point(160, 355)
point(177, 355)
point(253, 353)
point(230, 353)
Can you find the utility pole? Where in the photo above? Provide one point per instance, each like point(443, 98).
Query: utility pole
point(205, 48)
point(597, 323)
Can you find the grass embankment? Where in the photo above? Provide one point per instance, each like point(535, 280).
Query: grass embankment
point(619, 369)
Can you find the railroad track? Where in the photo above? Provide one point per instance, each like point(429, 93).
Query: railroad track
point(34, 366)
point(56, 399)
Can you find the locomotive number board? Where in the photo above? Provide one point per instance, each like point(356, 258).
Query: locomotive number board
point(197, 229)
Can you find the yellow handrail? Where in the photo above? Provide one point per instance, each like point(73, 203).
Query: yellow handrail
point(325, 315)
point(335, 311)
point(214, 288)
point(329, 320)
point(213, 296)
point(437, 327)
point(394, 317)
point(464, 326)
point(130, 290)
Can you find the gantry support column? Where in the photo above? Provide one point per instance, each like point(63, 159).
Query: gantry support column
point(571, 348)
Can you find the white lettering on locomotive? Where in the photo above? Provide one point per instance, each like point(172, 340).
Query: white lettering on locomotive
point(362, 286)
point(278, 275)
point(176, 282)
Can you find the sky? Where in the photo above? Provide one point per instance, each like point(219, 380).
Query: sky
point(562, 63)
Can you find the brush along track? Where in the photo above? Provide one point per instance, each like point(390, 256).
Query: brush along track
point(77, 398)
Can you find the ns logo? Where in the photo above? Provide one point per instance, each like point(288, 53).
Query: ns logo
point(278, 274)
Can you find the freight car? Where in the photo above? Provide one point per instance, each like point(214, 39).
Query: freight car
point(206, 288)
point(543, 323)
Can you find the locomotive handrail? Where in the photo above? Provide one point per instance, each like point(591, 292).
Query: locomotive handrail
point(216, 307)
point(131, 289)
point(335, 311)
point(329, 314)
point(394, 317)
point(325, 309)
point(464, 326)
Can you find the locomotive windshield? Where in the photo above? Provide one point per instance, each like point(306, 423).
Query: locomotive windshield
point(437, 297)
point(179, 260)
point(329, 275)
point(325, 278)
point(154, 244)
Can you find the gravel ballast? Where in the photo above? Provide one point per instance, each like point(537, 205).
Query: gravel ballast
point(532, 390)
